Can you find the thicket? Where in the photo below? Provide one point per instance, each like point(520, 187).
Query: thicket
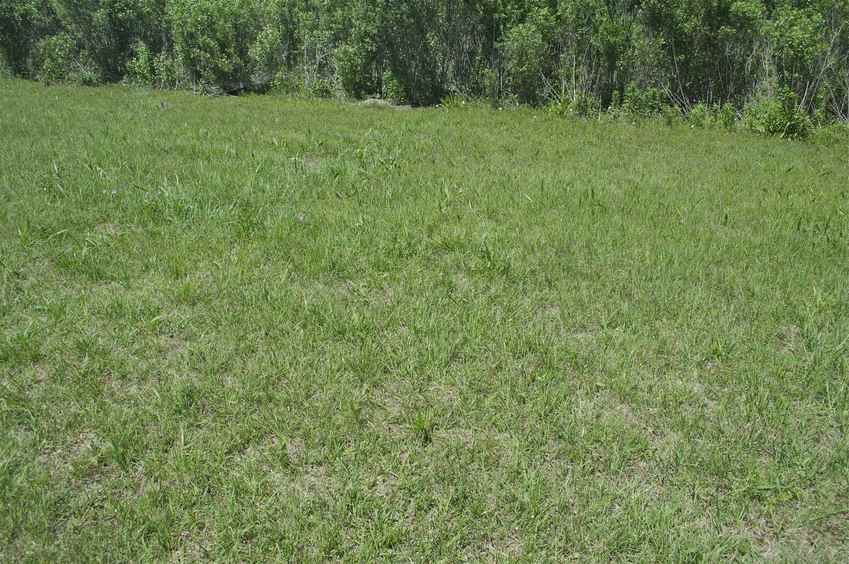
point(781, 65)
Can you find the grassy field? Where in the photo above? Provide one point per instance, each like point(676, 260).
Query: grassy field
point(259, 328)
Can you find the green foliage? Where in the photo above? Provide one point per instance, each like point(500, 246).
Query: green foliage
point(140, 68)
point(108, 30)
point(414, 51)
point(582, 104)
point(726, 116)
point(287, 83)
point(585, 104)
point(57, 57)
point(5, 68)
point(355, 59)
point(87, 73)
point(572, 54)
point(213, 39)
point(169, 72)
point(392, 89)
point(795, 35)
point(60, 59)
point(643, 102)
point(671, 115)
point(526, 53)
point(348, 67)
point(23, 25)
point(320, 88)
point(781, 116)
point(266, 55)
point(699, 116)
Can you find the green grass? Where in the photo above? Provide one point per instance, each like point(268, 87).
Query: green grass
point(262, 328)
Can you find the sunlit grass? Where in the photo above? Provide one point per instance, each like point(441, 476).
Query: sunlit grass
point(261, 328)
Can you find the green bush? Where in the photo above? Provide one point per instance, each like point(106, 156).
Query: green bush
point(699, 116)
point(57, 56)
point(779, 116)
point(320, 88)
point(581, 104)
point(212, 39)
point(140, 69)
point(348, 68)
point(615, 105)
point(643, 102)
point(726, 116)
point(85, 72)
point(835, 134)
point(23, 25)
point(392, 89)
point(266, 56)
point(5, 69)
point(525, 49)
point(169, 72)
point(671, 115)
point(613, 54)
point(287, 83)
point(585, 104)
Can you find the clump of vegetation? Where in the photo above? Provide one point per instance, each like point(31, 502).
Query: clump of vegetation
point(781, 116)
point(59, 59)
point(140, 69)
point(726, 116)
point(5, 69)
point(578, 104)
point(701, 116)
point(643, 102)
point(392, 88)
point(169, 72)
point(835, 134)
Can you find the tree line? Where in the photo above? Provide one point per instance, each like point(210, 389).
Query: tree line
point(579, 55)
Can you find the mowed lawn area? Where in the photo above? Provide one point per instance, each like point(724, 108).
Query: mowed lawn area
point(265, 329)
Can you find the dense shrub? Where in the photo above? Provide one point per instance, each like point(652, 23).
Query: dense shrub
point(23, 25)
point(702, 115)
point(212, 39)
point(348, 66)
point(5, 69)
point(140, 70)
point(287, 83)
point(107, 30)
point(699, 115)
point(726, 116)
point(575, 56)
point(643, 102)
point(266, 55)
point(320, 88)
point(57, 57)
point(392, 89)
point(781, 116)
point(169, 72)
point(580, 104)
point(526, 52)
